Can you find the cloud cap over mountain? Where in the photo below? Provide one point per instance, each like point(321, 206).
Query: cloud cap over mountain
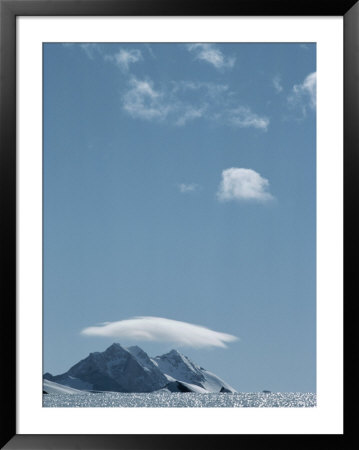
point(162, 330)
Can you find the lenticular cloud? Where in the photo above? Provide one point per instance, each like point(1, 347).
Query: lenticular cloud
point(161, 330)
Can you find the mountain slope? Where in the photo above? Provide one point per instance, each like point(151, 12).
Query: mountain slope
point(178, 367)
point(115, 369)
point(130, 369)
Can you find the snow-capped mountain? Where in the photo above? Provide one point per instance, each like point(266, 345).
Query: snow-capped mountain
point(130, 369)
point(178, 367)
point(115, 369)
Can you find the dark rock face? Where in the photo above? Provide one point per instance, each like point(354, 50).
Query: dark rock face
point(177, 386)
point(48, 376)
point(223, 389)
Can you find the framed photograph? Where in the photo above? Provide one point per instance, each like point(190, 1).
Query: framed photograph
point(174, 193)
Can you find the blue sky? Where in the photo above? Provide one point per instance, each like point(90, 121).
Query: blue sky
point(179, 183)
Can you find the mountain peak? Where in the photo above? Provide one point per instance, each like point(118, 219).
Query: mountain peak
point(139, 354)
point(115, 349)
point(180, 368)
point(175, 352)
point(135, 349)
point(171, 354)
point(115, 345)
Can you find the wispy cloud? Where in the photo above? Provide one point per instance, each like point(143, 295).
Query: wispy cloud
point(208, 89)
point(90, 49)
point(161, 330)
point(190, 113)
point(303, 95)
point(243, 185)
point(144, 102)
point(277, 83)
point(222, 106)
point(243, 117)
point(211, 54)
point(124, 58)
point(186, 188)
point(172, 104)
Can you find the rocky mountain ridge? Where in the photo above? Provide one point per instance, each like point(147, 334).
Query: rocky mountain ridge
point(129, 370)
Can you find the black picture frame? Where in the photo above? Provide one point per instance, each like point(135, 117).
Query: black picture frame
point(9, 10)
